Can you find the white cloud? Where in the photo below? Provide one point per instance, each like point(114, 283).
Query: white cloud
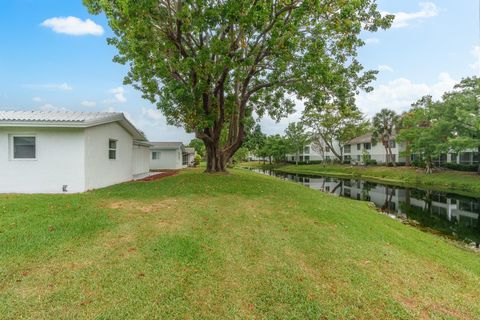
point(88, 104)
point(400, 93)
point(52, 86)
point(476, 54)
point(403, 19)
point(50, 107)
point(372, 40)
point(119, 96)
point(384, 67)
point(37, 99)
point(73, 26)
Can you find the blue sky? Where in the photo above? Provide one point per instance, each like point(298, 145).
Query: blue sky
point(49, 63)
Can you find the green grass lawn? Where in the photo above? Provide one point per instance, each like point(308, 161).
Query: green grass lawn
point(453, 181)
point(198, 246)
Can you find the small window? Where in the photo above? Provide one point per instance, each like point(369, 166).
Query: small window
point(359, 146)
point(367, 146)
point(155, 155)
point(392, 144)
point(24, 147)
point(346, 148)
point(306, 150)
point(112, 149)
point(327, 149)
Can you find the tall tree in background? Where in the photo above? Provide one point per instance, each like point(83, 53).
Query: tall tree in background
point(427, 136)
point(198, 145)
point(255, 140)
point(296, 138)
point(210, 64)
point(384, 125)
point(461, 112)
point(331, 126)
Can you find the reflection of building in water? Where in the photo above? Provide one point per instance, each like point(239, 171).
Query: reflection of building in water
point(465, 211)
point(450, 214)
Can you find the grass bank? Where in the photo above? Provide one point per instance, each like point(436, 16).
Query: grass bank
point(453, 181)
point(242, 245)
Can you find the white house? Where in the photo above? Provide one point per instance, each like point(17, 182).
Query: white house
point(169, 156)
point(55, 152)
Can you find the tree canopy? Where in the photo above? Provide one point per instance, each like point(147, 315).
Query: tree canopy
point(210, 64)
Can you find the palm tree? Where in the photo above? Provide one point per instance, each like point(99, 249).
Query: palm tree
point(384, 124)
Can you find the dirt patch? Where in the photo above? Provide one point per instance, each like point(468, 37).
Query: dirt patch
point(159, 176)
point(133, 205)
point(425, 311)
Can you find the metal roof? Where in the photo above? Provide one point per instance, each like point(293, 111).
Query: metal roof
point(362, 139)
point(166, 145)
point(57, 116)
point(66, 119)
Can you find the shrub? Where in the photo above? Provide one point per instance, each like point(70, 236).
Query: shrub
point(461, 167)
point(196, 160)
point(370, 162)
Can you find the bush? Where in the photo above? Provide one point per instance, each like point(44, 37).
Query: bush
point(418, 163)
point(196, 160)
point(461, 167)
point(370, 162)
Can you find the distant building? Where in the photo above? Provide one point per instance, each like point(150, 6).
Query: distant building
point(170, 156)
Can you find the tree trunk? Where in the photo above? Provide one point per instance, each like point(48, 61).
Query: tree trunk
point(216, 160)
point(407, 154)
point(391, 156)
point(296, 160)
point(478, 169)
point(387, 157)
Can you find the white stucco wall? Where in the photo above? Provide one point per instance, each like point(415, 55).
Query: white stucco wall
point(141, 159)
point(169, 159)
point(59, 161)
point(100, 171)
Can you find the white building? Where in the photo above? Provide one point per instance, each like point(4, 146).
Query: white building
point(54, 152)
point(170, 156)
point(361, 148)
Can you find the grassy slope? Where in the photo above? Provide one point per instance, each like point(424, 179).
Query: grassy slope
point(455, 181)
point(224, 246)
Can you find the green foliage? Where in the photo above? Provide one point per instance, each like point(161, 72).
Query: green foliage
point(199, 147)
point(384, 125)
point(255, 140)
point(333, 126)
point(196, 160)
point(241, 155)
point(213, 64)
point(296, 138)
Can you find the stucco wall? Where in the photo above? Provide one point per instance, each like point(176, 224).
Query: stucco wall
point(59, 161)
point(169, 159)
point(100, 171)
point(141, 159)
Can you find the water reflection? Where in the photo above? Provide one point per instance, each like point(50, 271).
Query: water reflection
point(446, 213)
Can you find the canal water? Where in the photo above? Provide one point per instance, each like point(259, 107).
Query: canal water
point(444, 213)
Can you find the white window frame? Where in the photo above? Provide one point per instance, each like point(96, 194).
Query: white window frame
point(113, 149)
point(158, 153)
point(12, 146)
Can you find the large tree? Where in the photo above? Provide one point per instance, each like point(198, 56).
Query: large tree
point(296, 139)
point(209, 64)
point(331, 126)
point(384, 125)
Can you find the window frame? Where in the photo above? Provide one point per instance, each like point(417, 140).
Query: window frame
point(12, 146)
point(158, 153)
point(113, 149)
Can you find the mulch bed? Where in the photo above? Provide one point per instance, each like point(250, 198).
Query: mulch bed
point(159, 176)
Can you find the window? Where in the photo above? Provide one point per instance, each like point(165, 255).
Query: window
point(155, 155)
point(359, 146)
point(327, 149)
point(293, 158)
point(306, 150)
point(358, 157)
point(346, 148)
point(307, 158)
point(112, 149)
point(24, 147)
point(367, 146)
point(301, 158)
point(391, 143)
point(453, 157)
point(465, 157)
point(327, 158)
